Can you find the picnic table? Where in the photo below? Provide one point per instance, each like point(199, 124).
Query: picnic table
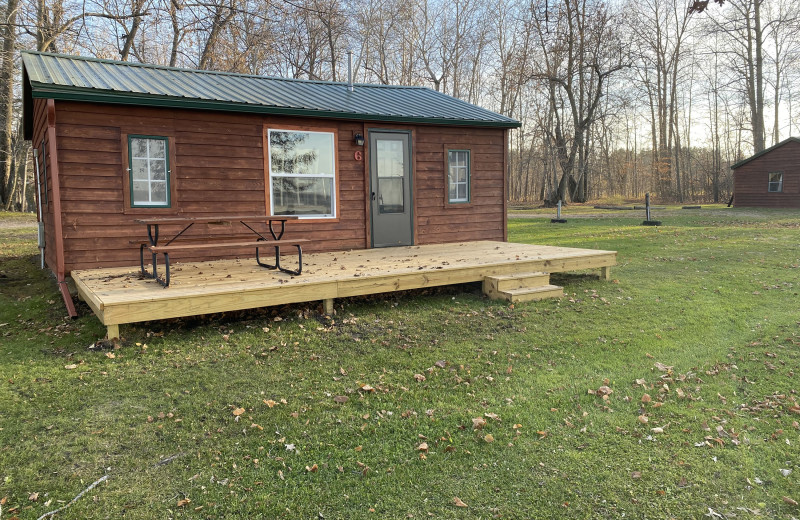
point(178, 242)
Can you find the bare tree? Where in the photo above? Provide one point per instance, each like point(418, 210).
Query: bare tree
point(8, 35)
point(579, 52)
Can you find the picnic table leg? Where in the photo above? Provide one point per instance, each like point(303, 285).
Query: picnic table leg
point(141, 260)
point(277, 264)
point(165, 281)
point(162, 281)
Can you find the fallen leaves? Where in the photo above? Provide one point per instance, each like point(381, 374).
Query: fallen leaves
point(790, 501)
point(663, 368)
point(604, 391)
point(73, 366)
point(458, 502)
point(341, 399)
point(184, 502)
point(488, 437)
point(478, 423)
point(238, 411)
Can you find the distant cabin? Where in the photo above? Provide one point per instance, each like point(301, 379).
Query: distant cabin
point(769, 179)
point(362, 167)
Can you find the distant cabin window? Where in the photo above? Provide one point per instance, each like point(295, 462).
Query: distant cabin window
point(149, 171)
point(301, 173)
point(458, 168)
point(775, 182)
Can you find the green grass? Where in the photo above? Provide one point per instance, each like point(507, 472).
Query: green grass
point(713, 294)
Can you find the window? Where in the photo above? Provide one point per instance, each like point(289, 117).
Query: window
point(301, 173)
point(391, 166)
point(775, 182)
point(149, 171)
point(458, 173)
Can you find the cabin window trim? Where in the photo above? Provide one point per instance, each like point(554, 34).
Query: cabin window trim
point(167, 175)
point(775, 182)
point(333, 175)
point(466, 199)
point(43, 176)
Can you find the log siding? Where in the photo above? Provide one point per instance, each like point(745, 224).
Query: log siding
point(218, 166)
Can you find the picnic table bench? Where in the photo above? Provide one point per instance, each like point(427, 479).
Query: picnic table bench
point(179, 242)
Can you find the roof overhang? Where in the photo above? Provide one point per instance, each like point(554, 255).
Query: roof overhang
point(48, 91)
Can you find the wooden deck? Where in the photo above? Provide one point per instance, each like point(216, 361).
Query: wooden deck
point(119, 295)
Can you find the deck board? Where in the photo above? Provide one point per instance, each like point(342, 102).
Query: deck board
point(118, 295)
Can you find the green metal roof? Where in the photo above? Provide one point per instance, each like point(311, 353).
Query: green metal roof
point(75, 78)
point(764, 152)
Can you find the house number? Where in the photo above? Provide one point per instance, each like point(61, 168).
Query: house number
point(358, 155)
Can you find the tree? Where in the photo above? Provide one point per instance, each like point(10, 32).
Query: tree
point(580, 50)
point(8, 34)
point(659, 29)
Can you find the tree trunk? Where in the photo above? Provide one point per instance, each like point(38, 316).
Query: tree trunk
point(8, 33)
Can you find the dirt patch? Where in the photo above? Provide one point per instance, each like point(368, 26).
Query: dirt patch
point(17, 222)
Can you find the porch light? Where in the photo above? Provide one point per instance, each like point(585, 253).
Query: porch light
point(359, 139)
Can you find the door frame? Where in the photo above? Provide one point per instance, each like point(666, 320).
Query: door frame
point(370, 188)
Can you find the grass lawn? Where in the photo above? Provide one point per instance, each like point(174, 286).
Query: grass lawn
point(670, 392)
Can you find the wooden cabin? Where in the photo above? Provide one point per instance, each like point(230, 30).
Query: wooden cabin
point(361, 166)
point(769, 179)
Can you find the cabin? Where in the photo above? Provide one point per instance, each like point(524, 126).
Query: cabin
point(770, 178)
point(401, 187)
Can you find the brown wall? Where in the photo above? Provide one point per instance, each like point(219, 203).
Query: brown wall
point(217, 160)
point(39, 136)
point(751, 179)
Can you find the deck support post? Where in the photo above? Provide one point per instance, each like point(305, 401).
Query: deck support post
point(605, 272)
point(113, 331)
point(327, 306)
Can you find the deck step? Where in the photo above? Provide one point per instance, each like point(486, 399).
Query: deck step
point(533, 294)
point(521, 287)
point(507, 282)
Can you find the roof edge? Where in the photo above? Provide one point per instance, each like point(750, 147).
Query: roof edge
point(48, 91)
point(210, 72)
point(764, 152)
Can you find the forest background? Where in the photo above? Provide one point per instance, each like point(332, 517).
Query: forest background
point(616, 98)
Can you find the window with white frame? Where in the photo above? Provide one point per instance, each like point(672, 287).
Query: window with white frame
point(149, 171)
point(301, 173)
point(775, 182)
point(458, 173)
